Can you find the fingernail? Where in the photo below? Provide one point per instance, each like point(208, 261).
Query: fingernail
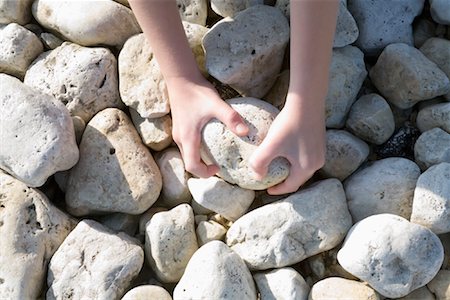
point(241, 128)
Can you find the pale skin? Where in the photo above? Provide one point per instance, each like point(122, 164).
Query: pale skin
point(297, 133)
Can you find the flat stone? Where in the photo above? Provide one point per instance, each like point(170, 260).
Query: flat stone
point(346, 28)
point(385, 186)
point(209, 231)
point(215, 272)
point(308, 222)
point(244, 52)
point(15, 11)
point(83, 78)
point(405, 76)
point(193, 11)
point(432, 148)
point(230, 8)
point(147, 292)
point(116, 172)
point(231, 153)
point(156, 133)
point(341, 289)
point(36, 131)
point(440, 11)
point(32, 228)
point(440, 285)
point(93, 262)
point(436, 115)
point(393, 255)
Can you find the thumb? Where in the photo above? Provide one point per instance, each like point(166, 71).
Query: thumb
point(232, 120)
point(260, 161)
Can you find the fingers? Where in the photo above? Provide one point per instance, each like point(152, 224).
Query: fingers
point(297, 177)
point(192, 161)
point(260, 160)
point(231, 119)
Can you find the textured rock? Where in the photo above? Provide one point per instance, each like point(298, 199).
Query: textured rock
point(18, 48)
point(346, 28)
point(347, 73)
point(15, 11)
point(393, 255)
point(344, 154)
point(440, 11)
point(155, 133)
point(308, 222)
point(385, 186)
point(209, 231)
point(246, 53)
point(31, 230)
point(170, 242)
point(384, 22)
point(371, 119)
point(341, 289)
point(147, 292)
point(84, 79)
point(104, 23)
point(36, 133)
point(284, 283)
point(193, 11)
point(440, 285)
point(116, 172)
point(93, 262)
point(221, 197)
point(431, 204)
point(432, 148)
point(215, 272)
point(231, 153)
point(230, 8)
point(436, 115)
point(405, 76)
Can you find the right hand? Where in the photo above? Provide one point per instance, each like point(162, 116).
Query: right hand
point(194, 101)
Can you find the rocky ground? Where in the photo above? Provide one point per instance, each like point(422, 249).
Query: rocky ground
point(95, 202)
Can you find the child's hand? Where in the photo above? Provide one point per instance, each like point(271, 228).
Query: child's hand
point(194, 102)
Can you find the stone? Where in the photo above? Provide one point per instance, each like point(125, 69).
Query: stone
point(15, 11)
point(93, 262)
point(423, 30)
point(156, 133)
point(284, 6)
point(83, 78)
point(200, 210)
point(50, 41)
point(431, 204)
point(436, 115)
point(220, 146)
point(147, 292)
point(145, 217)
point(384, 22)
point(174, 177)
point(347, 73)
point(278, 93)
point(116, 172)
point(308, 222)
point(405, 76)
point(284, 283)
point(119, 222)
point(346, 28)
point(170, 242)
point(104, 23)
point(195, 33)
point(400, 144)
point(432, 148)
point(385, 186)
point(221, 197)
point(440, 285)
point(230, 8)
point(209, 231)
point(36, 132)
point(421, 293)
point(244, 52)
point(344, 154)
point(32, 228)
point(78, 125)
point(18, 48)
point(371, 119)
point(215, 272)
point(193, 11)
point(341, 289)
point(445, 239)
point(440, 11)
point(393, 255)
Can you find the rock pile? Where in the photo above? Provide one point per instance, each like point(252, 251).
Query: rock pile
point(95, 200)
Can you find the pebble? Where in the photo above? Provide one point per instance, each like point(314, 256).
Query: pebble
point(346, 28)
point(209, 231)
point(435, 115)
point(422, 293)
point(432, 148)
point(145, 217)
point(230, 8)
point(440, 11)
point(440, 285)
point(341, 289)
point(400, 144)
point(147, 292)
point(193, 11)
point(121, 222)
point(16, 11)
point(50, 41)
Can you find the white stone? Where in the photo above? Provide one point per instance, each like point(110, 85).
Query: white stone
point(94, 263)
point(435, 115)
point(341, 289)
point(209, 231)
point(344, 154)
point(431, 204)
point(215, 272)
point(244, 52)
point(393, 255)
point(31, 230)
point(230, 8)
point(440, 285)
point(284, 283)
point(102, 22)
point(440, 11)
point(220, 146)
point(15, 11)
point(405, 76)
point(170, 241)
point(346, 28)
point(18, 48)
point(156, 133)
point(432, 147)
point(36, 132)
point(116, 172)
point(221, 197)
point(193, 11)
point(385, 186)
point(145, 217)
point(83, 78)
point(147, 292)
point(308, 222)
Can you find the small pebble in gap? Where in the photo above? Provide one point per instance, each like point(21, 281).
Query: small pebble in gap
point(401, 144)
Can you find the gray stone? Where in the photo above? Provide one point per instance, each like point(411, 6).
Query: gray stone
point(15, 11)
point(385, 186)
point(308, 222)
point(440, 11)
point(230, 8)
point(393, 255)
point(278, 93)
point(423, 30)
point(31, 230)
point(93, 262)
point(405, 76)
point(210, 231)
point(422, 293)
point(346, 28)
point(344, 154)
point(432, 148)
point(244, 52)
point(284, 6)
point(215, 272)
point(121, 223)
point(116, 172)
point(78, 125)
point(36, 132)
point(50, 41)
point(147, 292)
point(231, 153)
point(341, 289)
point(435, 115)
point(84, 79)
point(193, 11)
point(156, 133)
point(440, 285)
point(371, 119)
